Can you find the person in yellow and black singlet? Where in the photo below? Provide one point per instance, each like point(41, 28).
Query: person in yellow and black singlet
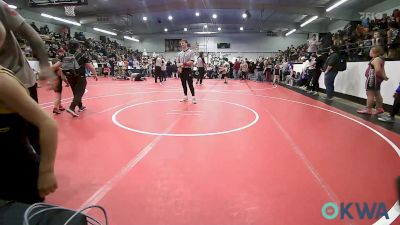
point(25, 176)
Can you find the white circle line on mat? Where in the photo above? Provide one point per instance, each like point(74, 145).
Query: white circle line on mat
point(116, 122)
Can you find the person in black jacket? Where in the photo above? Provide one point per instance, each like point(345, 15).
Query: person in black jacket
point(78, 81)
point(331, 71)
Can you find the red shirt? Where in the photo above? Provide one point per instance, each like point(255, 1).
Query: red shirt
point(236, 66)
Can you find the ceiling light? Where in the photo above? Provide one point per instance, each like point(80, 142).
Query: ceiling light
point(205, 26)
point(12, 6)
point(219, 29)
point(60, 19)
point(205, 32)
point(170, 17)
point(241, 28)
point(214, 16)
point(197, 14)
point(166, 30)
point(244, 15)
point(185, 29)
point(336, 5)
point(131, 38)
point(309, 21)
point(105, 31)
point(290, 32)
point(144, 18)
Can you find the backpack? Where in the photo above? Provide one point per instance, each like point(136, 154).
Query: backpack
point(70, 64)
point(342, 62)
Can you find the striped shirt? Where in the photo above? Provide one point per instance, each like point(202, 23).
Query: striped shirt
point(186, 56)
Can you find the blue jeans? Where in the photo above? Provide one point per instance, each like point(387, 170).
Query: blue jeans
point(236, 74)
point(330, 83)
point(259, 75)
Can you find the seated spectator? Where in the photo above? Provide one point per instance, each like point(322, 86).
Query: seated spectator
point(393, 41)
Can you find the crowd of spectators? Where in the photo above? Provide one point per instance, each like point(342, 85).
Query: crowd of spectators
point(99, 51)
point(355, 40)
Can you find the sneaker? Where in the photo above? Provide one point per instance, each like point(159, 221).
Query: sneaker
point(185, 99)
point(194, 100)
point(365, 111)
point(83, 108)
point(72, 112)
point(61, 108)
point(56, 111)
point(326, 98)
point(315, 93)
point(379, 111)
point(387, 119)
point(310, 92)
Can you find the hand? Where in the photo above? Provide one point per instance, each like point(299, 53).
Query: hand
point(46, 73)
point(51, 83)
point(48, 78)
point(96, 78)
point(47, 183)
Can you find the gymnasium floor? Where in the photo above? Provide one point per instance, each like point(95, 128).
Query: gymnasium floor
point(247, 153)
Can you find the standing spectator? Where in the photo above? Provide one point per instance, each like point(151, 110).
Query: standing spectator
point(331, 71)
point(200, 68)
point(319, 63)
point(163, 69)
point(236, 68)
point(395, 110)
point(244, 69)
point(313, 44)
point(157, 69)
point(259, 70)
point(276, 72)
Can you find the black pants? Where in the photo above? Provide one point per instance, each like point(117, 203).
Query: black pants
point(33, 131)
point(315, 74)
point(187, 78)
point(200, 78)
point(78, 86)
point(396, 106)
point(243, 75)
point(158, 73)
point(19, 175)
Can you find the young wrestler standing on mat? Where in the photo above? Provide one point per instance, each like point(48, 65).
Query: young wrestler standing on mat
point(185, 62)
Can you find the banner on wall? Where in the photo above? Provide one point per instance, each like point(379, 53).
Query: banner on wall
point(172, 45)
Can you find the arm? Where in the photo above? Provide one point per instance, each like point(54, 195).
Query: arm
point(37, 45)
point(379, 70)
point(15, 97)
point(90, 67)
